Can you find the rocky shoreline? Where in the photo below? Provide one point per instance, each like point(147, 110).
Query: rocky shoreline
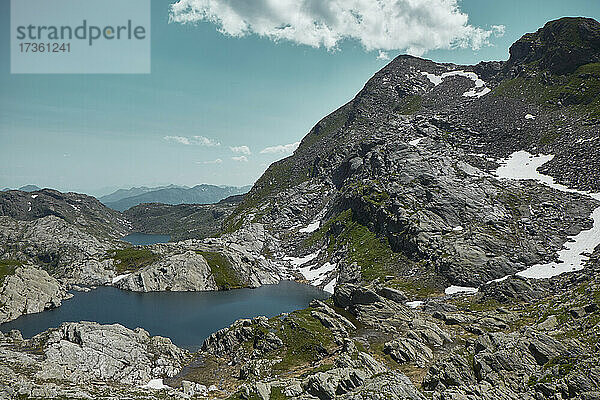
point(517, 339)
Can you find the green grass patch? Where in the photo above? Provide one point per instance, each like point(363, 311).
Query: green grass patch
point(579, 90)
point(223, 273)
point(240, 396)
point(305, 339)
point(132, 259)
point(369, 192)
point(277, 394)
point(409, 105)
point(373, 255)
point(8, 267)
point(555, 369)
point(327, 126)
point(471, 305)
point(279, 176)
point(415, 287)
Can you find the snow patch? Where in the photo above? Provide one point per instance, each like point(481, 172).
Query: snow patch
point(313, 226)
point(318, 275)
point(572, 256)
point(587, 140)
point(297, 261)
point(315, 276)
point(529, 116)
point(433, 78)
point(33, 196)
point(460, 289)
point(414, 304)
point(522, 165)
point(415, 142)
point(156, 384)
point(474, 92)
point(330, 286)
point(498, 280)
point(458, 228)
point(119, 277)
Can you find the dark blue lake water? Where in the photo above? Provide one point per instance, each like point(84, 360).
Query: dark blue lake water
point(187, 318)
point(145, 239)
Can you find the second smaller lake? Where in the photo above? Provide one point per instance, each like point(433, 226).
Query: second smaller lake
point(145, 239)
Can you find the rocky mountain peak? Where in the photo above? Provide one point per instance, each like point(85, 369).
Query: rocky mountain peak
point(560, 46)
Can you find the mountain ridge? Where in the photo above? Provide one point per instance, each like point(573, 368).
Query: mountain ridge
point(172, 195)
point(347, 158)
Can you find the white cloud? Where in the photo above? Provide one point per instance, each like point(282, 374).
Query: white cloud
point(217, 161)
point(240, 158)
point(498, 30)
point(414, 26)
point(241, 149)
point(280, 149)
point(383, 56)
point(193, 140)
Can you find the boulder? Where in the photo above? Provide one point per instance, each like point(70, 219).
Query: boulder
point(87, 351)
point(30, 290)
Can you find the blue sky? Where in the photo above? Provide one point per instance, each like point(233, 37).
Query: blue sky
point(92, 133)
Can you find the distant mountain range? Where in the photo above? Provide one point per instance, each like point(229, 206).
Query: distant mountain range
point(26, 188)
point(124, 199)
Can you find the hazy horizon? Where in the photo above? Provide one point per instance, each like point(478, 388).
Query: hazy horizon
point(103, 191)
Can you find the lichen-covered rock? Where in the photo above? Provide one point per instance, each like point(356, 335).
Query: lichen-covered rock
point(187, 271)
point(406, 350)
point(86, 351)
point(67, 250)
point(29, 290)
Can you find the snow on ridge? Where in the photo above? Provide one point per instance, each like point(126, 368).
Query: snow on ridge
point(523, 165)
point(479, 83)
point(433, 78)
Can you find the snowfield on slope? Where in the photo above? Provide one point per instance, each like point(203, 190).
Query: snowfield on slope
point(316, 276)
point(523, 165)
